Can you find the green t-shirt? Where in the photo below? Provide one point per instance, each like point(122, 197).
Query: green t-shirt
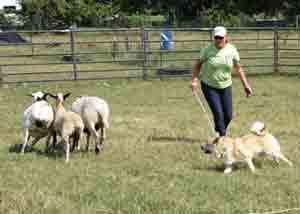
point(217, 65)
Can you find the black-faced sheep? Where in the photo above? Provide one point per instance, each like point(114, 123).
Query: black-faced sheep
point(37, 120)
point(67, 124)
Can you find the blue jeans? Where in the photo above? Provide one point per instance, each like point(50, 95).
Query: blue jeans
point(220, 103)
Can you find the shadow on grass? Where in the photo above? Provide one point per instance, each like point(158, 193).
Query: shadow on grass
point(168, 139)
point(235, 167)
point(16, 148)
point(220, 168)
point(58, 152)
point(54, 153)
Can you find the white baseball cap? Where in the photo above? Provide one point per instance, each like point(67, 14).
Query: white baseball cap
point(220, 31)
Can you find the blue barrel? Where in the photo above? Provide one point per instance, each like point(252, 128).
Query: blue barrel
point(166, 40)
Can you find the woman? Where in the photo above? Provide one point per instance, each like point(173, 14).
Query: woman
point(216, 62)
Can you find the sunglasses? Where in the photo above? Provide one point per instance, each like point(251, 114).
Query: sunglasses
point(219, 38)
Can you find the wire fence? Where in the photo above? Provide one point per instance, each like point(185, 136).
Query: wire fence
point(81, 54)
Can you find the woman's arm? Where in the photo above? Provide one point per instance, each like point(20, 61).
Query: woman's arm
point(195, 72)
point(248, 90)
point(196, 68)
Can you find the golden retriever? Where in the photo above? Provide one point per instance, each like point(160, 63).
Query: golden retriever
point(245, 148)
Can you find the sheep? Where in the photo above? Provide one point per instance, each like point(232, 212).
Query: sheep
point(67, 124)
point(37, 120)
point(95, 113)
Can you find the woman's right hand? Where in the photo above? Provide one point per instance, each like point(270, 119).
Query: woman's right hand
point(194, 85)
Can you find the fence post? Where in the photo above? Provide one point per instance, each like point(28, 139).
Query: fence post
point(115, 48)
point(145, 47)
point(128, 40)
point(1, 76)
point(211, 35)
point(257, 39)
point(31, 42)
point(72, 46)
point(276, 50)
point(298, 36)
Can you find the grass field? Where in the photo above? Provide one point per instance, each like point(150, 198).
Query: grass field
point(152, 162)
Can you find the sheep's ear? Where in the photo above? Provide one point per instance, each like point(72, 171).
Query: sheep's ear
point(29, 95)
point(53, 96)
point(45, 95)
point(67, 95)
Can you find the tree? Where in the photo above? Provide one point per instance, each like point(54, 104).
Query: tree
point(49, 14)
point(43, 13)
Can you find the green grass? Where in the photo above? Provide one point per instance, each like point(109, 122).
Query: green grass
point(152, 162)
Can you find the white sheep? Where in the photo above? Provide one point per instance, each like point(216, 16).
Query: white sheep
point(37, 120)
point(67, 124)
point(95, 114)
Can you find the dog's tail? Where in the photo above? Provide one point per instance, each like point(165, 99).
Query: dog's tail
point(258, 128)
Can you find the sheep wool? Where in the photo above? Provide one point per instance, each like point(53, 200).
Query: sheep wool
point(95, 114)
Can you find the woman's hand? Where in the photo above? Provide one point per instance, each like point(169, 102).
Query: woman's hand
point(194, 85)
point(248, 91)
point(247, 87)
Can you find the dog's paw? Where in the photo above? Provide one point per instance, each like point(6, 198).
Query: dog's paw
point(227, 170)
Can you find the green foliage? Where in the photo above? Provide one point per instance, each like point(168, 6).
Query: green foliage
point(50, 14)
point(53, 13)
point(139, 20)
point(215, 16)
point(3, 19)
point(136, 20)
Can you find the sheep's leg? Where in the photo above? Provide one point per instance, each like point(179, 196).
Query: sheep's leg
point(76, 140)
point(75, 145)
point(103, 135)
point(92, 131)
point(67, 147)
point(35, 141)
point(98, 145)
point(47, 142)
point(72, 149)
point(87, 142)
point(54, 141)
point(97, 140)
point(25, 140)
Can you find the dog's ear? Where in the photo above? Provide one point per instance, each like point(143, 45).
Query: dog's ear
point(258, 128)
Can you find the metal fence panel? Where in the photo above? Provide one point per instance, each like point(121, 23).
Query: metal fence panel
point(125, 53)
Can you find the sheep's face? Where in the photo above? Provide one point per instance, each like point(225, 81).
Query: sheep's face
point(60, 97)
point(38, 96)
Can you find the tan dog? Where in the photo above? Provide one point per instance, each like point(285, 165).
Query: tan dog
point(245, 148)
